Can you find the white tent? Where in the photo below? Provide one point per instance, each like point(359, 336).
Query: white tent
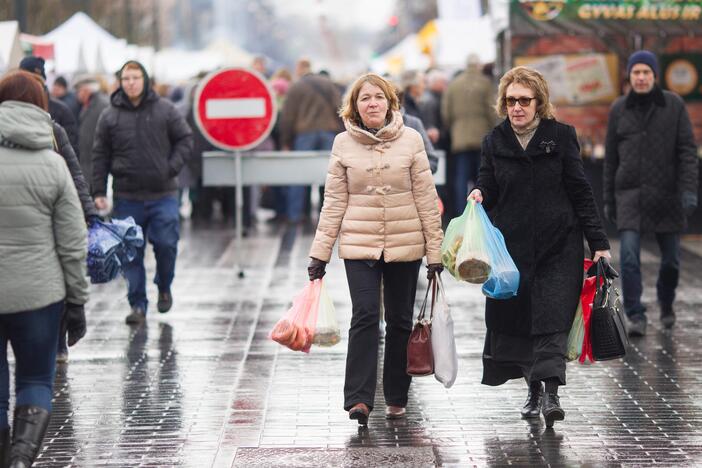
point(230, 54)
point(174, 65)
point(10, 49)
point(101, 51)
point(456, 39)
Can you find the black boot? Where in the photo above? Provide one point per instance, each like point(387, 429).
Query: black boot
point(667, 315)
point(29, 428)
point(5, 447)
point(532, 405)
point(552, 409)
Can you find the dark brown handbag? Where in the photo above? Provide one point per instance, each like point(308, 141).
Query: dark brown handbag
point(420, 358)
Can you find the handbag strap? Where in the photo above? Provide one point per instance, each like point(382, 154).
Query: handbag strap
point(602, 274)
point(423, 309)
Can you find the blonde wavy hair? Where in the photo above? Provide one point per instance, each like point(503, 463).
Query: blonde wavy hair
point(348, 108)
point(533, 80)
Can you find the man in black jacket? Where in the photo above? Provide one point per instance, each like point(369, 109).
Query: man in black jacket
point(650, 183)
point(143, 141)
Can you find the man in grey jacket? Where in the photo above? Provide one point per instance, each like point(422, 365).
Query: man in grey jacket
point(650, 183)
point(143, 141)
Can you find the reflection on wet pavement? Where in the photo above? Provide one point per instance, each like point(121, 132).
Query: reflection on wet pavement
point(203, 386)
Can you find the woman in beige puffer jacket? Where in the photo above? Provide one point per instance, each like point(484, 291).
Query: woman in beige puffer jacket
point(380, 201)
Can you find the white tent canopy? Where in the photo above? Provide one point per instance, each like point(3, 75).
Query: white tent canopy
point(459, 38)
point(10, 49)
point(81, 45)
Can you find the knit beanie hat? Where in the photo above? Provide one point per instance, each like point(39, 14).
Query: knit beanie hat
point(642, 56)
point(33, 64)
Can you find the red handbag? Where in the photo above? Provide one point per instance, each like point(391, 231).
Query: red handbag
point(420, 358)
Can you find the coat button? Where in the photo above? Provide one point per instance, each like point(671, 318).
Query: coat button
point(369, 188)
point(386, 166)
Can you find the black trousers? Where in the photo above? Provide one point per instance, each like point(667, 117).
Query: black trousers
point(400, 286)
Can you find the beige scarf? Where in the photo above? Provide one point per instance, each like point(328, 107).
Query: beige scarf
point(525, 135)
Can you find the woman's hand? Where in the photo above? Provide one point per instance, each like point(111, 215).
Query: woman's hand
point(316, 269)
point(476, 195)
point(602, 254)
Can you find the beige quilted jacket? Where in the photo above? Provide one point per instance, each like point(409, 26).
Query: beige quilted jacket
point(379, 198)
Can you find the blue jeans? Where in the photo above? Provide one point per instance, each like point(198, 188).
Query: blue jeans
point(466, 167)
point(33, 335)
point(669, 244)
point(160, 223)
point(295, 194)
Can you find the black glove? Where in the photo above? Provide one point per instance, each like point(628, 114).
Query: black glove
point(610, 213)
point(73, 322)
point(92, 219)
point(433, 269)
point(316, 269)
point(689, 202)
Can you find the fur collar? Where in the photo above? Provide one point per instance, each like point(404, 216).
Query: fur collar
point(392, 131)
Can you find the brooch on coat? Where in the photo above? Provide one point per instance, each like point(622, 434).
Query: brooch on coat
point(547, 146)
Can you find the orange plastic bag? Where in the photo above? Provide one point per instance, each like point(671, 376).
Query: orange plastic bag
point(296, 328)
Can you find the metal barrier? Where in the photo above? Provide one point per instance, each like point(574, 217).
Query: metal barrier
point(237, 169)
point(277, 168)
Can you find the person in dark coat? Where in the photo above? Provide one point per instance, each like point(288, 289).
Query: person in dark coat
point(73, 323)
point(650, 183)
point(143, 141)
point(92, 102)
point(59, 112)
point(533, 186)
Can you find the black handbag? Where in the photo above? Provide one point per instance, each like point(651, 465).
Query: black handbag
point(607, 327)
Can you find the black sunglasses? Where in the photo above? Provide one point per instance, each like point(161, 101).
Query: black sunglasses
point(523, 101)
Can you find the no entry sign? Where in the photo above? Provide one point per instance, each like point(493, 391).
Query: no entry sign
point(235, 108)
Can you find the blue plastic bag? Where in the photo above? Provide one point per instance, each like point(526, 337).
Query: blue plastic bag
point(111, 246)
point(503, 280)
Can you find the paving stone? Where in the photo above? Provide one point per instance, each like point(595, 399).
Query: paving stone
point(203, 386)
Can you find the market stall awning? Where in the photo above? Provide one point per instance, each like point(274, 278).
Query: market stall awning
point(582, 17)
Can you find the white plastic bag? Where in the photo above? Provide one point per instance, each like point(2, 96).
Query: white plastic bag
point(443, 344)
point(327, 332)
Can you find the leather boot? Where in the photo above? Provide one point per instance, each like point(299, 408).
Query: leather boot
point(5, 447)
point(532, 405)
point(552, 409)
point(667, 316)
point(29, 429)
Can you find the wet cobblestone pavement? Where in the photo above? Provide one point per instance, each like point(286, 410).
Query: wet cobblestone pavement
point(202, 385)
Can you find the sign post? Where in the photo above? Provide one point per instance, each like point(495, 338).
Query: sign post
point(235, 111)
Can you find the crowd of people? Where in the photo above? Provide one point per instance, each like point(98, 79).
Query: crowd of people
point(505, 149)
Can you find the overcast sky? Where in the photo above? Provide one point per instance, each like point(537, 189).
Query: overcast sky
point(366, 14)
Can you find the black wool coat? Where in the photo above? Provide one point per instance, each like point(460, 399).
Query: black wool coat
point(541, 202)
point(650, 160)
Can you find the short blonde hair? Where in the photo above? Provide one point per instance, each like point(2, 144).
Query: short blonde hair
point(348, 107)
point(531, 79)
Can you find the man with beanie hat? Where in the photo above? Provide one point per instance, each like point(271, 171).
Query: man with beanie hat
point(650, 183)
point(59, 112)
point(143, 141)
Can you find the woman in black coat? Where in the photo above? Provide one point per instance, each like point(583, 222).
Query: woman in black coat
point(533, 185)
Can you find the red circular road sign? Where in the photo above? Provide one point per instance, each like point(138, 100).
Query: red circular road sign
point(235, 109)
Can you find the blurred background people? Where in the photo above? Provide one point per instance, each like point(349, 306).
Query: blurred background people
point(467, 110)
point(308, 122)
